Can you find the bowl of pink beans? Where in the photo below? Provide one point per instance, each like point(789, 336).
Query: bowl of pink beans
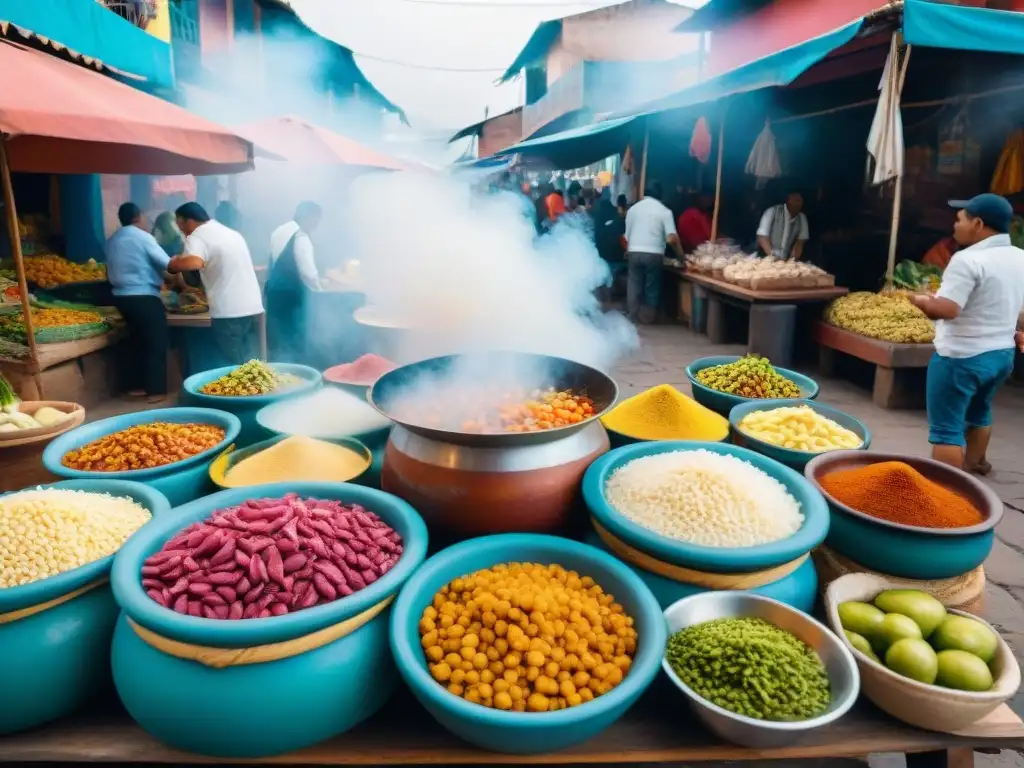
point(254, 621)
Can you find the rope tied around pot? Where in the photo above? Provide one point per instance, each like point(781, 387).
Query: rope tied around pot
point(220, 658)
point(32, 610)
point(704, 579)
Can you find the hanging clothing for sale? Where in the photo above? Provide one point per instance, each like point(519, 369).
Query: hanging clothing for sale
point(623, 182)
point(287, 301)
point(700, 142)
point(885, 139)
point(763, 162)
point(1009, 176)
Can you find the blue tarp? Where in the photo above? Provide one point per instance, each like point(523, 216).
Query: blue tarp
point(935, 25)
point(88, 28)
point(581, 146)
point(778, 69)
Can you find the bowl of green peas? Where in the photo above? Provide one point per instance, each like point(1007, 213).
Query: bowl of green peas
point(757, 672)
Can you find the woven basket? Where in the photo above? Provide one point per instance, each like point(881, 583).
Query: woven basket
point(965, 592)
point(927, 706)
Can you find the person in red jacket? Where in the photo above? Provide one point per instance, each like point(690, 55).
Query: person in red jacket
point(694, 224)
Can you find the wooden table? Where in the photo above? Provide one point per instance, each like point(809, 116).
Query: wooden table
point(77, 371)
point(659, 729)
point(771, 314)
point(189, 320)
point(892, 363)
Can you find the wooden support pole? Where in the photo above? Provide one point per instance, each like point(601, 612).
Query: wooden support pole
point(643, 165)
point(897, 200)
point(19, 263)
point(718, 178)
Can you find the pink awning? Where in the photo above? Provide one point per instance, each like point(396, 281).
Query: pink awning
point(60, 117)
point(308, 144)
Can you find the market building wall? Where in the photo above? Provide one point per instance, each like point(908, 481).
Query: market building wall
point(500, 132)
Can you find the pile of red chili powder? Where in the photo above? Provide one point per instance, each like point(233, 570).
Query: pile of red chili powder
point(363, 371)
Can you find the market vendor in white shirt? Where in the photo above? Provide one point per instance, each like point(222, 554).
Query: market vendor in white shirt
point(221, 256)
point(783, 231)
point(293, 275)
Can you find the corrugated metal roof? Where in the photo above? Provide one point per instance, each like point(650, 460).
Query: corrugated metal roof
point(476, 128)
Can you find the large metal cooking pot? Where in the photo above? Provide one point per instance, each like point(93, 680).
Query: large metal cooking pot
point(472, 484)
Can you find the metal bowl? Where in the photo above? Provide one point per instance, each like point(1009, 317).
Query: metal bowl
point(558, 372)
point(746, 731)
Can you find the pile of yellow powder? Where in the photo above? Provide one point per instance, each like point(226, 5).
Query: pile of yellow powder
point(295, 459)
point(47, 531)
point(665, 413)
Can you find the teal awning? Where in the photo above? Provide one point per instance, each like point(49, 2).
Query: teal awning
point(90, 29)
point(577, 147)
point(935, 25)
point(778, 69)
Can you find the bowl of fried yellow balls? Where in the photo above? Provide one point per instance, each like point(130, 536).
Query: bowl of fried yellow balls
point(525, 643)
point(795, 431)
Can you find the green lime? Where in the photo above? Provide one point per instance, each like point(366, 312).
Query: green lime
point(912, 657)
point(958, 633)
point(862, 618)
point(963, 671)
point(894, 626)
point(920, 606)
point(861, 644)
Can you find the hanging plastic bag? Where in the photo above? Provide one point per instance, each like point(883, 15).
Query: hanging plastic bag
point(700, 142)
point(763, 162)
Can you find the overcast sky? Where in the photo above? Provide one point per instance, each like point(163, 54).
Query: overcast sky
point(436, 36)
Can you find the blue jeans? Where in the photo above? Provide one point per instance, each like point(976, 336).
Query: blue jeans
point(643, 291)
point(960, 392)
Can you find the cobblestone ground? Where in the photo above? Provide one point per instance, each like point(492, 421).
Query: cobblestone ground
point(667, 350)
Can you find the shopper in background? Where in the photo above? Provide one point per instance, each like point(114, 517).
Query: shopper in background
point(232, 290)
point(293, 276)
point(694, 223)
point(649, 227)
point(977, 310)
point(136, 265)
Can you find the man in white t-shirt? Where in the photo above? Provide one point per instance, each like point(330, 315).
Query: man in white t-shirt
point(649, 228)
point(977, 310)
point(229, 278)
point(782, 231)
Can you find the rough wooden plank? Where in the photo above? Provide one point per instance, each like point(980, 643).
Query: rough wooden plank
point(196, 320)
point(403, 734)
point(875, 351)
point(789, 295)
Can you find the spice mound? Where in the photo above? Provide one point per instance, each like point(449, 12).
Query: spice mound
point(665, 413)
point(750, 376)
point(363, 371)
point(894, 491)
point(252, 378)
point(799, 428)
point(269, 557)
point(143, 447)
point(297, 459)
point(527, 637)
point(47, 531)
point(752, 668)
point(485, 411)
point(704, 498)
point(51, 271)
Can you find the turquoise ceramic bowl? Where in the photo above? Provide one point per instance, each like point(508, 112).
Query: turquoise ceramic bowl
point(799, 589)
point(180, 482)
point(525, 732)
point(907, 551)
point(791, 458)
point(722, 402)
point(265, 709)
point(373, 438)
point(246, 408)
point(698, 557)
point(55, 661)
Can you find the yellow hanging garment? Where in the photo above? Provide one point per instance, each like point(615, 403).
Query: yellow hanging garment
point(1009, 176)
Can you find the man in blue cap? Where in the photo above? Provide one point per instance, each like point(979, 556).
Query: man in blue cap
point(977, 311)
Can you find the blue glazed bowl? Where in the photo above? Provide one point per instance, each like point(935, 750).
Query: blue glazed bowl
point(55, 661)
point(723, 402)
point(180, 482)
point(792, 458)
point(224, 463)
point(246, 408)
point(526, 733)
point(799, 589)
point(264, 709)
point(699, 557)
point(908, 551)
